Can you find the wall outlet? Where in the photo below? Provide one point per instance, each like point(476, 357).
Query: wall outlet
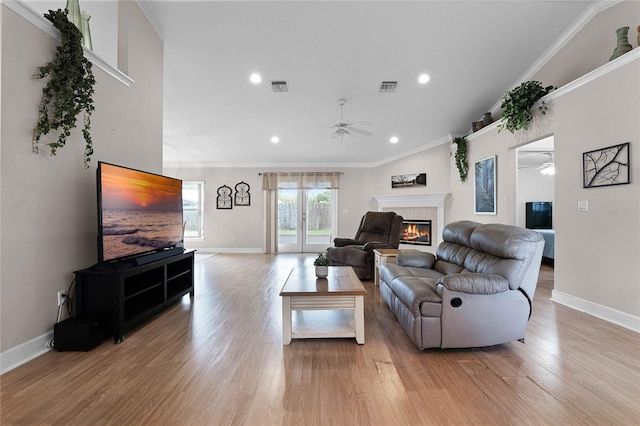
point(60, 298)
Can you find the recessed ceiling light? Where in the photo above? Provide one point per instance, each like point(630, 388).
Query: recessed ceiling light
point(275, 139)
point(394, 139)
point(255, 78)
point(424, 78)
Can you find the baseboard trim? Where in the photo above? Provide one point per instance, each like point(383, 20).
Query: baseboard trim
point(24, 352)
point(210, 250)
point(614, 316)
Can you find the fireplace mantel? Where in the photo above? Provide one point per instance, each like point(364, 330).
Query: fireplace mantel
point(416, 200)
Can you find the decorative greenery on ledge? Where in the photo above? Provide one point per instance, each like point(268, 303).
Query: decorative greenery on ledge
point(461, 157)
point(69, 90)
point(517, 103)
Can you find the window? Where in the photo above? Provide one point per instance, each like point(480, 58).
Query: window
point(193, 206)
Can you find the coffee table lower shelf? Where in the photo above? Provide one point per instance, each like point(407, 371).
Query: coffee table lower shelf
point(316, 317)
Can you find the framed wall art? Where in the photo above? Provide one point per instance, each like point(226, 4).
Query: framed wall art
point(242, 195)
point(484, 194)
point(410, 180)
point(224, 200)
point(607, 166)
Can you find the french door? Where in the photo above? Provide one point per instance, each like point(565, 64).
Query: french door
point(306, 219)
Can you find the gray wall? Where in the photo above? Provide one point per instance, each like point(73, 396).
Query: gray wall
point(48, 207)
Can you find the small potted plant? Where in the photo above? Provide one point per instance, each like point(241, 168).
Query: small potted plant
point(322, 265)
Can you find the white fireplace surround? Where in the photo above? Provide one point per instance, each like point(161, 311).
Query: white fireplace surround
point(416, 200)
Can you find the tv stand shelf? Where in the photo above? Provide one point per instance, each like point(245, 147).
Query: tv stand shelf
point(121, 298)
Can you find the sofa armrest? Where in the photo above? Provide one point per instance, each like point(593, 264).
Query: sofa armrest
point(341, 242)
point(474, 283)
point(416, 259)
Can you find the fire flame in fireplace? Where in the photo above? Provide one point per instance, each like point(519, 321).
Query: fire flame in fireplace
point(412, 233)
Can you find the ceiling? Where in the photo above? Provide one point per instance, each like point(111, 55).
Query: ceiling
point(535, 155)
point(473, 52)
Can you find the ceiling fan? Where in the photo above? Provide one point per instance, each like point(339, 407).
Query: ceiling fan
point(345, 127)
point(547, 168)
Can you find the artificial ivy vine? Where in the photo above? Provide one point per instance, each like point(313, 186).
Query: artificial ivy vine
point(461, 157)
point(69, 90)
point(517, 103)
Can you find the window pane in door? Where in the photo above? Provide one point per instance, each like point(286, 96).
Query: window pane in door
point(287, 216)
point(319, 215)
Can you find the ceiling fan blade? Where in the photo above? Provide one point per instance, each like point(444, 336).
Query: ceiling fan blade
point(361, 123)
point(360, 131)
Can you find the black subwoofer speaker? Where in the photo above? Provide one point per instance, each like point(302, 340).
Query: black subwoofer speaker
point(76, 335)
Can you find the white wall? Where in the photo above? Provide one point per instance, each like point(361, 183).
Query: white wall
point(48, 209)
point(241, 229)
point(596, 256)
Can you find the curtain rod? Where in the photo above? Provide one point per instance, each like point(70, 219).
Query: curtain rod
point(261, 173)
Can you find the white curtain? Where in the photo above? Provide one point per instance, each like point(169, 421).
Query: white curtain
point(304, 180)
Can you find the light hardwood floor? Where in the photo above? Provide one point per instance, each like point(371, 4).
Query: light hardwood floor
point(218, 359)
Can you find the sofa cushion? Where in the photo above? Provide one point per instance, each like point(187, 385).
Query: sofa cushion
point(504, 241)
point(454, 254)
point(431, 309)
point(473, 283)
point(418, 259)
point(389, 272)
point(413, 291)
point(459, 232)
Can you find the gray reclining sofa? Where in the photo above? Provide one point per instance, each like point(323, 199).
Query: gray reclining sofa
point(476, 291)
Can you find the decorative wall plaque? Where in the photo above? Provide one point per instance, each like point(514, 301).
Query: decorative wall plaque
point(243, 197)
point(606, 166)
point(224, 200)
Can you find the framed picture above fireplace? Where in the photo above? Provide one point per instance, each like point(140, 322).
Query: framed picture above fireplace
point(484, 194)
point(410, 180)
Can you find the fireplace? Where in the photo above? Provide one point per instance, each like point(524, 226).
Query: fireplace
point(416, 232)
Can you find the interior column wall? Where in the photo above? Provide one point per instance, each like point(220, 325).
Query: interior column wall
point(48, 204)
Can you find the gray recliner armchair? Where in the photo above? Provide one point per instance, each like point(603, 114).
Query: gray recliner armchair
point(476, 291)
point(376, 230)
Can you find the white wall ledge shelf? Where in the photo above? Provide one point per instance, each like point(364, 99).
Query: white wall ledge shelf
point(35, 18)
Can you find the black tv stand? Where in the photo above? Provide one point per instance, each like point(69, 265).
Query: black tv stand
point(121, 299)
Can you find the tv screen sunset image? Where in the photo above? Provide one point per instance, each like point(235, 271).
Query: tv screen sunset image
point(140, 211)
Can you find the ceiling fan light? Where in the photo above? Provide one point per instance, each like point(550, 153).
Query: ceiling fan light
point(549, 170)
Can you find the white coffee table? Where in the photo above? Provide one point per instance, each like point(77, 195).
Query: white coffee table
point(322, 308)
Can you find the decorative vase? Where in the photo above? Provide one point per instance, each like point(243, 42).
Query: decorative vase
point(487, 119)
point(86, 31)
point(322, 271)
point(75, 15)
point(623, 45)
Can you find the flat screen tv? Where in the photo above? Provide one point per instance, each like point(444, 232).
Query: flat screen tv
point(139, 213)
point(539, 215)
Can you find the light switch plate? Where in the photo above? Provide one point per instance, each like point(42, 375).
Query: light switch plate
point(583, 206)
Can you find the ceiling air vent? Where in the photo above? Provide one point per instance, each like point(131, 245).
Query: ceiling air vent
point(279, 86)
point(388, 86)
